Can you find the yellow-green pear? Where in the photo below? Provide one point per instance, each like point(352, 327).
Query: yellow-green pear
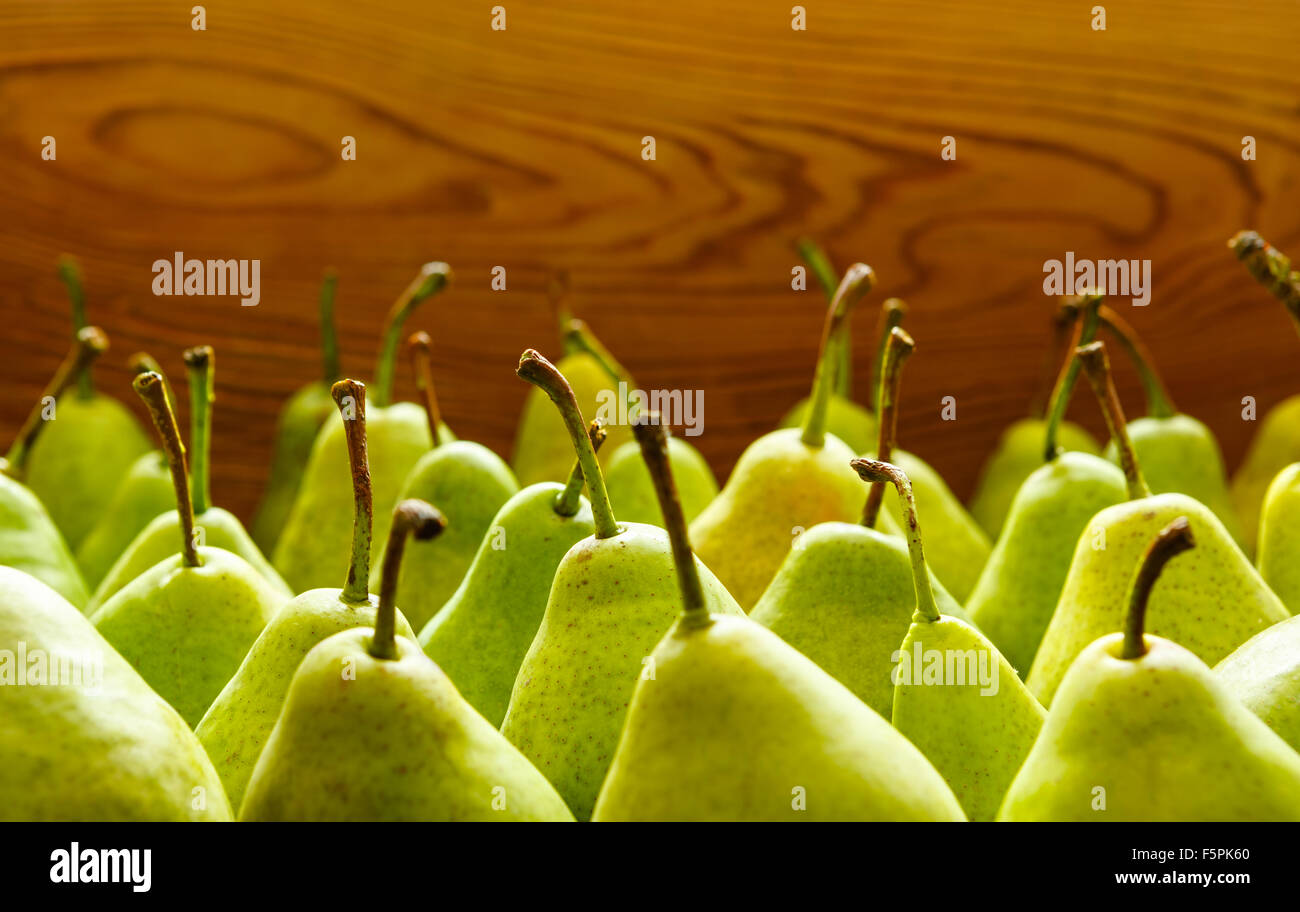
point(1279, 537)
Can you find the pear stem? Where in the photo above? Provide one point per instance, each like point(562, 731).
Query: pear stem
point(350, 397)
point(857, 281)
point(557, 292)
point(1271, 268)
point(899, 348)
point(568, 500)
point(198, 362)
point(1171, 541)
point(89, 344)
point(1159, 403)
point(329, 336)
point(546, 376)
point(1084, 332)
point(820, 265)
point(1063, 322)
point(70, 275)
point(433, 278)
point(414, 518)
point(1093, 358)
point(892, 313)
point(578, 338)
point(420, 346)
point(878, 472)
point(143, 363)
point(150, 387)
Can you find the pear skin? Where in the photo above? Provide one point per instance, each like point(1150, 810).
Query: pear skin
point(847, 420)
point(1275, 446)
point(1279, 537)
point(144, 494)
point(295, 432)
point(30, 542)
point(633, 495)
point(1264, 674)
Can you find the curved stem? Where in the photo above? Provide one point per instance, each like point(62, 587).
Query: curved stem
point(350, 397)
point(1171, 541)
point(423, 522)
point(568, 500)
point(329, 336)
point(857, 281)
point(1084, 332)
point(899, 349)
point(198, 362)
point(578, 337)
point(878, 473)
point(142, 363)
point(1271, 268)
point(557, 293)
point(1062, 329)
point(1093, 358)
point(892, 313)
point(151, 389)
point(546, 376)
point(89, 344)
point(70, 275)
point(820, 265)
point(432, 279)
point(1159, 402)
point(420, 346)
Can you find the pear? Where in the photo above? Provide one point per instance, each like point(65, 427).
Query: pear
point(1279, 537)
point(373, 730)
point(480, 637)
point(469, 483)
point(311, 550)
point(296, 429)
point(1210, 604)
point(1264, 674)
point(733, 724)
point(76, 464)
point(1142, 730)
point(955, 696)
point(786, 481)
point(98, 745)
point(632, 492)
point(216, 527)
point(238, 723)
point(1277, 442)
point(610, 602)
point(186, 623)
point(29, 540)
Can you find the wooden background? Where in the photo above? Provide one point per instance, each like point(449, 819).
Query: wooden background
point(522, 149)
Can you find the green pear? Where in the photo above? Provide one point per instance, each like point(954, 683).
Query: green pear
point(786, 481)
point(1279, 537)
point(216, 527)
point(296, 429)
point(372, 730)
point(312, 547)
point(610, 602)
point(239, 722)
point(480, 637)
point(1142, 730)
point(1211, 603)
point(186, 623)
point(92, 440)
point(469, 483)
point(1264, 674)
point(632, 492)
point(731, 723)
point(98, 744)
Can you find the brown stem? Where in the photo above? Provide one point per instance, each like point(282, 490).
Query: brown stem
point(858, 280)
point(89, 344)
point(892, 313)
point(898, 351)
point(1171, 541)
point(1093, 358)
point(420, 348)
point(150, 388)
point(1063, 322)
point(350, 397)
point(568, 500)
point(423, 522)
point(1085, 331)
point(881, 473)
point(1159, 403)
point(1271, 268)
point(433, 278)
point(143, 362)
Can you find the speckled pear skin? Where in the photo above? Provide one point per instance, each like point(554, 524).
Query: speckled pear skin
point(187, 629)
point(542, 448)
point(1017, 593)
point(159, 541)
point(1279, 537)
point(1179, 455)
point(143, 495)
point(1264, 674)
point(847, 420)
point(30, 542)
point(1275, 446)
point(239, 722)
point(314, 545)
point(295, 432)
point(1209, 601)
point(1161, 735)
point(735, 720)
point(956, 547)
point(633, 495)
point(80, 457)
point(976, 737)
point(612, 600)
point(779, 486)
point(480, 637)
point(67, 754)
point(1019, 453)
point(844, 598)
point(364, 739)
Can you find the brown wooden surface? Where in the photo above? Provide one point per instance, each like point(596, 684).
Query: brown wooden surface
point(522, 149)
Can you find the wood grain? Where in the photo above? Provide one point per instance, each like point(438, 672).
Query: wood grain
point(522, 149)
